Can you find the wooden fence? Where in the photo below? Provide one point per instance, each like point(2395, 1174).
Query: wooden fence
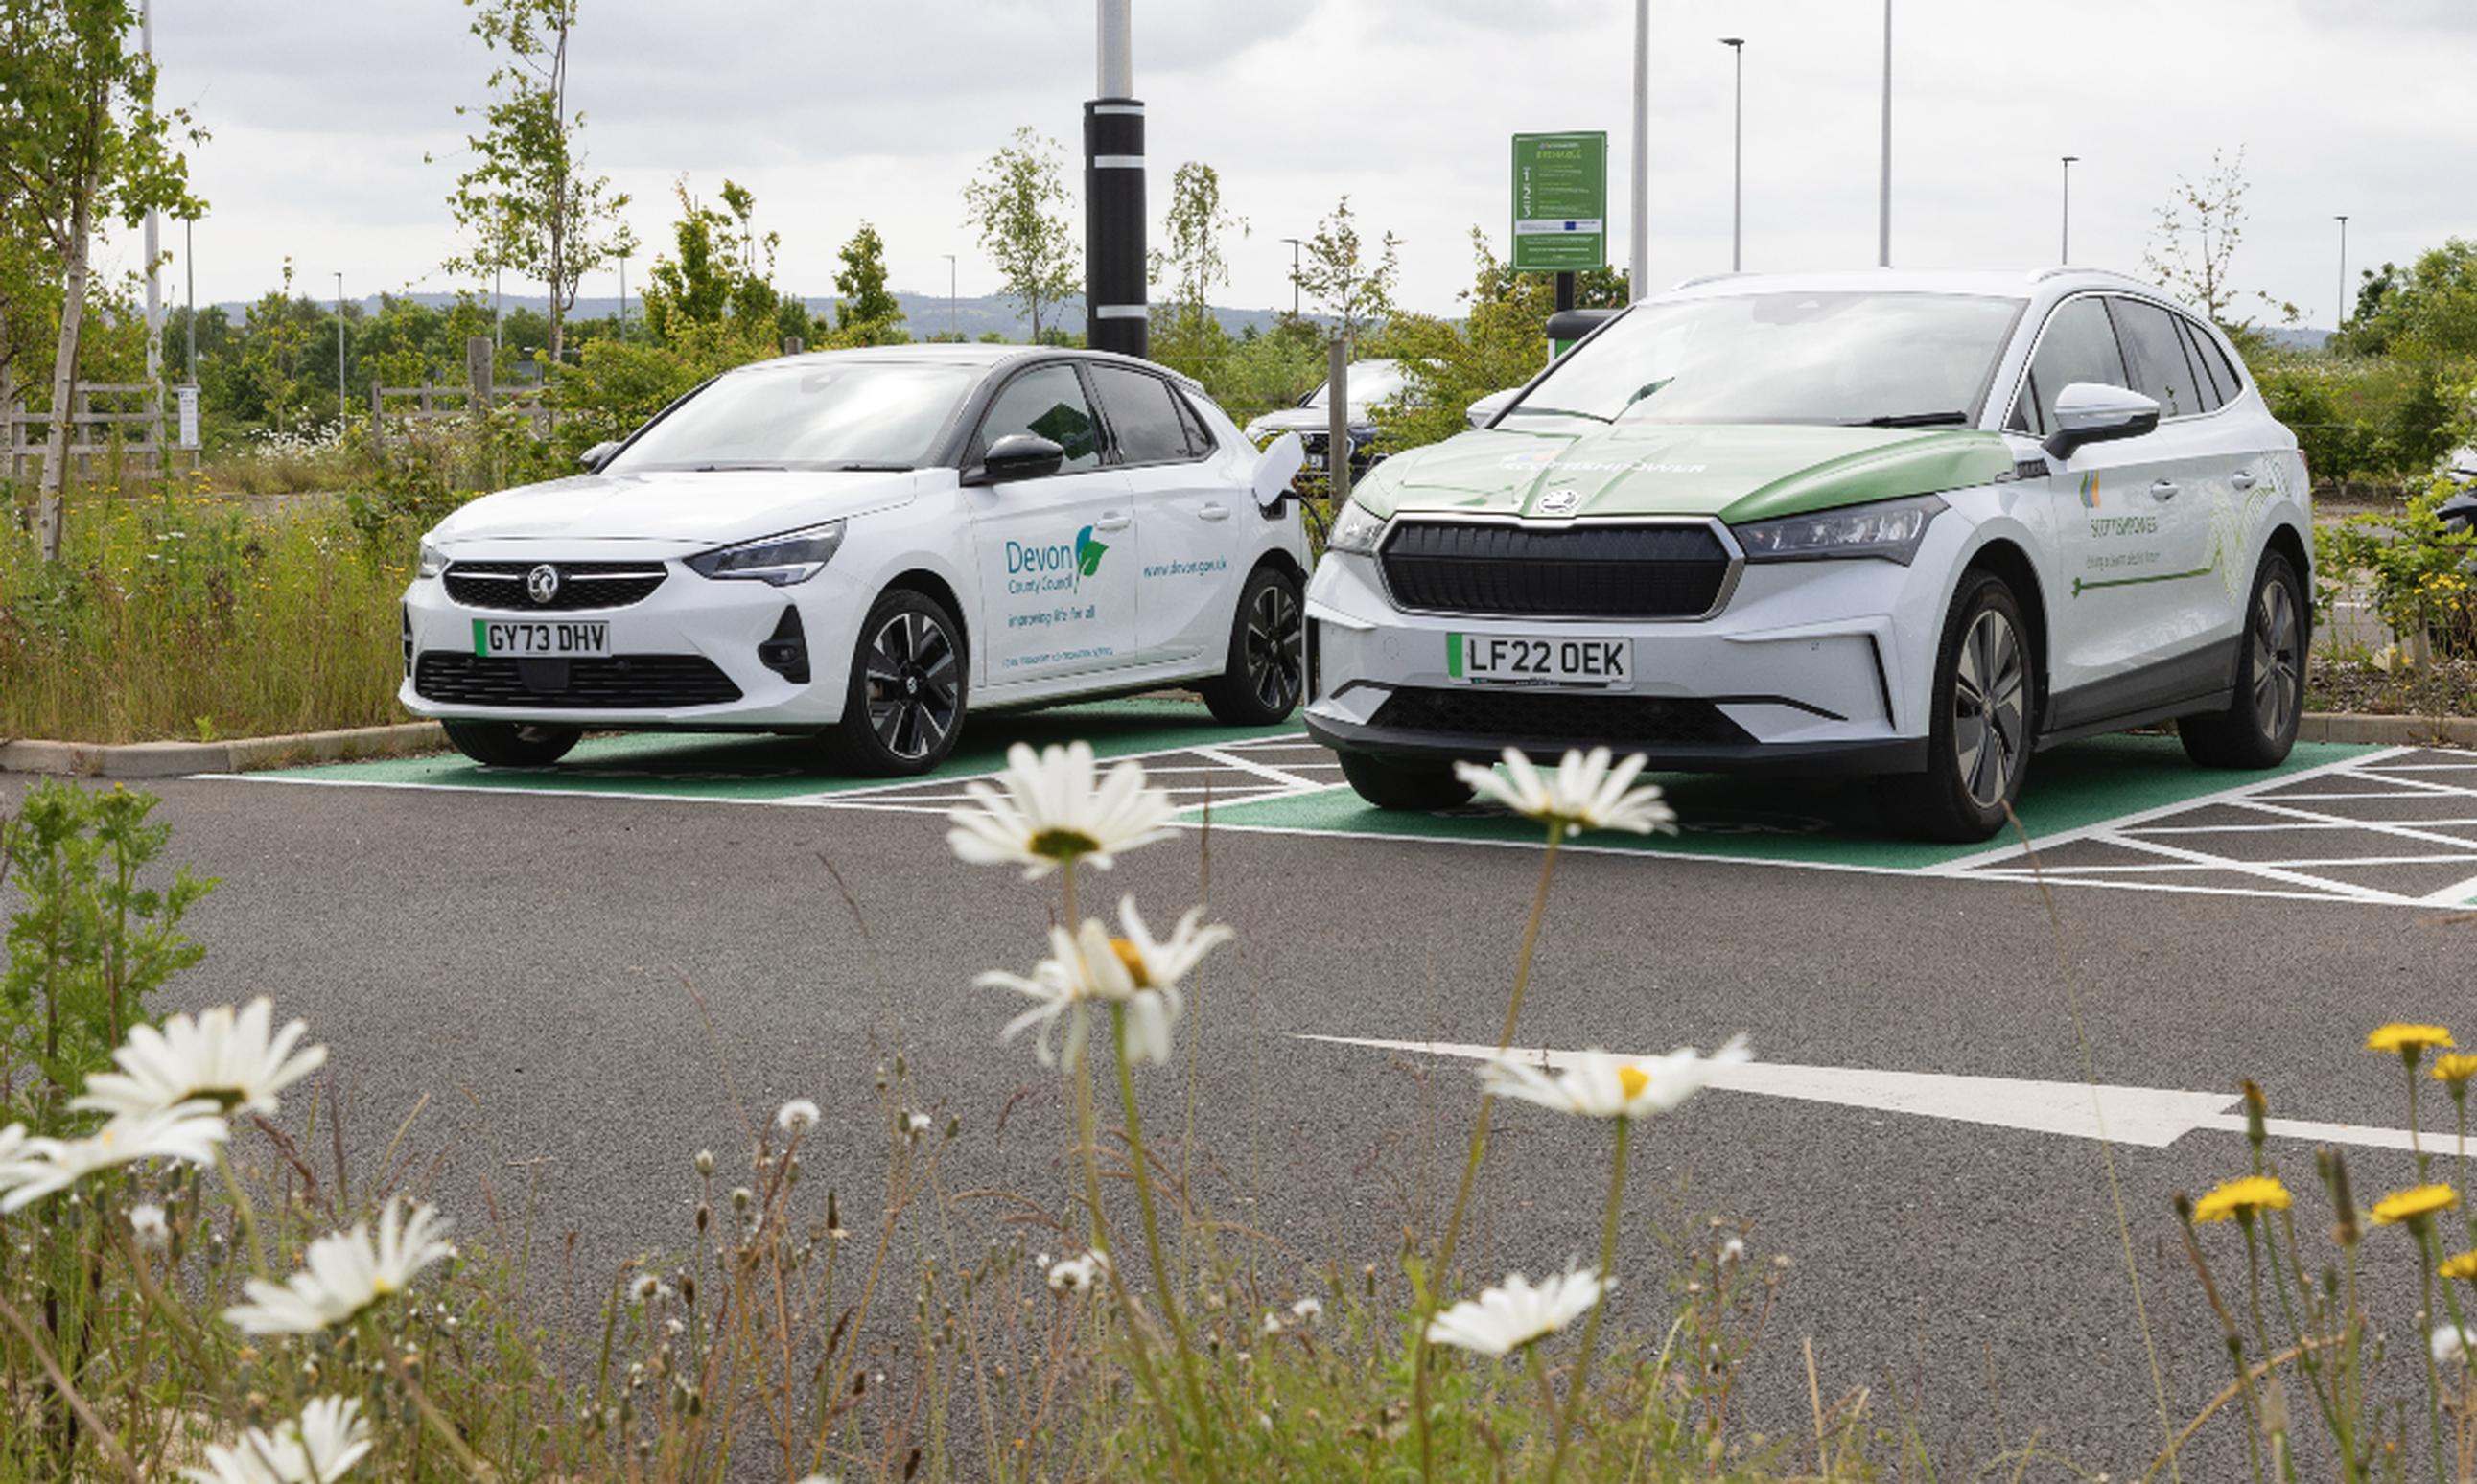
point(439, 401)
point(113, 423)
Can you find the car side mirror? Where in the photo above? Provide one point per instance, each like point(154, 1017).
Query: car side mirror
point(2095, 412)
point(1483, 411)
point(593, 458)
point(1018, 456)
point(1276, 467)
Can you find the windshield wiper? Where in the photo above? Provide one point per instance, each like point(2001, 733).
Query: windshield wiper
point(1912, 420)
point(866, 466)
point(731, 468)
point(1526, 407)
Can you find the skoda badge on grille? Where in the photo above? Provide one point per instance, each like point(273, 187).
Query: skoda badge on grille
point(542, 584)
point(1559, 502)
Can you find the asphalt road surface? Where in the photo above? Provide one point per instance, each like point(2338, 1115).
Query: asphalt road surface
point(592, 972)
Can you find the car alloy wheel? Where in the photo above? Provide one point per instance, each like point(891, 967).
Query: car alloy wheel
point(1274, 650)
point(1989, 709)
point(2276, 660)
point(913, 701)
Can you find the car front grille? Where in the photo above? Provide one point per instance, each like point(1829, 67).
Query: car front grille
point(622, 683)
point(582, 585)
point(1581, 571)
point(1618, 722)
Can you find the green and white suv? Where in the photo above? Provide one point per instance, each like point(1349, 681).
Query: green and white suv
point(1917, 525)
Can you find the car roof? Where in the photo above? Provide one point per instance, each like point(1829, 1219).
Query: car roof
point(2014, 283)
point(984, 357)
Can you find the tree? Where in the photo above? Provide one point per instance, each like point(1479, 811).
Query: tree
point(1184, 333)
point(866, 313)
point(721, 273)
point(526, 201)
point(1019, 205)
point(2428, 309)
point(2193, 246)
point(1338, 276)
point(80, 142)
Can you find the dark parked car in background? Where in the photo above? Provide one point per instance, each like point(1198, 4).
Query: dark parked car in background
point(1371, 383)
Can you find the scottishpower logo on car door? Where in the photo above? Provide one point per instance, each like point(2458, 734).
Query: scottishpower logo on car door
point(1053, 569)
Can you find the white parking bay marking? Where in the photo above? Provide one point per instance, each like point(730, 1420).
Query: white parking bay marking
point(2147, 1117)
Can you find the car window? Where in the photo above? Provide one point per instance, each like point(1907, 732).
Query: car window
point(2078, 345)
point(1199, 438)
point(2206, 383)
point(2154, 355)
point(2214, 364)
point(1141, 414)
point(805, 414)
point(1050, 402)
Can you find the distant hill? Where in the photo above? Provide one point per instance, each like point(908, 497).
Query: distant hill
point(2299, 340)
point(923, 315)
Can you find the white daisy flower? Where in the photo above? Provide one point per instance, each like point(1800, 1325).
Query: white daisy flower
point(2452, 1345)
point(1306, 1310)
point(915, 1124)
point(147, 1224)
point(344, 1274)
point(1076, 1274)
point(1514, 1314)
point(234, 1060)
point(797, 1117)
point(319, 1447)
point(1271, 1325)
point(41, 1167)
point(1053, 811)
point(1603, 1086)
point(1586, 792)
point(1136, 971)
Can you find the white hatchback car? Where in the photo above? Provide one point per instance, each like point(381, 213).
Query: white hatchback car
point(1913, 524)
point(866, 545)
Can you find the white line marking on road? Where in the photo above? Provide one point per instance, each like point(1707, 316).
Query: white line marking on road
point(2148, 1117)
point(2330, 860)
point(1290, 781)
point(2233, 795)
point(2406, 831)
point(2326, 884)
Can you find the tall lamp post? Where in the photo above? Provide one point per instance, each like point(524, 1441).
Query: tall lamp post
point(342, 406)
point(1114, 194)
point(953, 324)
point(1639, 206)
point(1736, 46)
point(1884, 189)
point(2339, 315)
point(2064, 248)
point(1294, 276)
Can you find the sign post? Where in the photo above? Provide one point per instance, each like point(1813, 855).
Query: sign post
point(1561, 203)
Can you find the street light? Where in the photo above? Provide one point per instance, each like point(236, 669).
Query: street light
point(951, 322)
point(2064, 251)
point(1294, 276)
point(341, 406)
point(1884, 204)
point(1638, 205)
point(1736, 46)
point(2340, 316)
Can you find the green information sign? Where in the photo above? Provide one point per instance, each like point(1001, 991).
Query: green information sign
point(1561, 202)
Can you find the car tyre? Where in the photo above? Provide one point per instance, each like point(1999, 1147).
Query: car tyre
point(1268, 663)
point(1415, 786)
point(512, 744)
point(2259, 724)
point(1978, 738)
point(904, 705)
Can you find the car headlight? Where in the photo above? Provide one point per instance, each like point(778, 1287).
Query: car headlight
point(1889, 529)
point(432, 562)
point(1356, 530)
point(1255, 430)
point(793, 556)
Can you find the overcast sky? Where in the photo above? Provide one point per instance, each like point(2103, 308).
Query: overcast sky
point(833, 110)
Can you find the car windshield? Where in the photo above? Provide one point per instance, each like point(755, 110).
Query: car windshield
point(1891, 360)
point(807, 416)
point(1371, 382)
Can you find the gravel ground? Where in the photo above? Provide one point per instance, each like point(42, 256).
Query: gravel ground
point(2446, 687)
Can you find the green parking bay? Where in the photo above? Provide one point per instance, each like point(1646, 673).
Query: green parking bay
point(1830, 821)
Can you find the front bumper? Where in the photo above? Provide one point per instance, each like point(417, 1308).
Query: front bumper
point(688, 617)
point(1813, 667)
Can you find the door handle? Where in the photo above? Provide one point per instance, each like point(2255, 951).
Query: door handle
point(2243, 479)
point(2163, 489)
point(1216, 510)
point(1112, 522)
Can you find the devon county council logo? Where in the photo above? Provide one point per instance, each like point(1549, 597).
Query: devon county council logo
point(2090, 490)
point(1087, 553)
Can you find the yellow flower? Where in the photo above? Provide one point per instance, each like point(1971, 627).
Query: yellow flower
point(2461, 1265)
point(2455, 1068)
point(2413, 1206)
point(2409, 1040)
point(2241, 1197)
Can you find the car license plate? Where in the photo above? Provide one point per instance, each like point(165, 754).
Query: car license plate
point(535, 638)
point(1525, 659)
point(1315, 460)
